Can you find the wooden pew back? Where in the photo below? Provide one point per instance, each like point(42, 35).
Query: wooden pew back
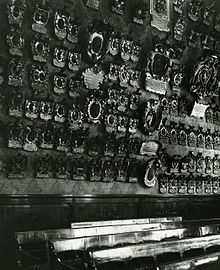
point(100, 241)
point(125, 222)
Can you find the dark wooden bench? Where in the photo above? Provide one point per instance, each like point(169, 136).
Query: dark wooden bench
point(133, 238)
point(32, 246)
point(141, 256)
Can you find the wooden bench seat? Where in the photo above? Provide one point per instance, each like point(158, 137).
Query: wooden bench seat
point(209, 262)
point(111, 240)
point(154, 250)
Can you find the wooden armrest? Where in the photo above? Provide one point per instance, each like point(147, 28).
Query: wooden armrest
point(55, 259)
point(64, 265)
point(27, 254)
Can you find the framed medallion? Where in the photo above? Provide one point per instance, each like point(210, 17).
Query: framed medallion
point(94, 109)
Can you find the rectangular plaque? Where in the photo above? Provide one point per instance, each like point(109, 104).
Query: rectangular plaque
point(15, 175)
point(156, 86)
point(161, 15)
point(44, 175)
point(199, 110)
point(94, 4)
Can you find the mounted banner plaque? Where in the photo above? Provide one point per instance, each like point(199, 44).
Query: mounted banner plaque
point(199, 110)
point(160, 11)
point(94, 4)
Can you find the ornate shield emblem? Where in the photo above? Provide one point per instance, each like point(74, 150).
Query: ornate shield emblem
point(40, 47)
point(46, 110)
point(194, 10)
point(31, 109)
point(30, 139)
point(98, 40)
point(40, 18)
point(151, 116)
point(39, 76)
point(46, 136)
point(59, 84)
point(16, 104)
point(74, 87)
point(15, 41)
point(15, 135)
point(60, 113)
point(15, 71)
point(63, 139)
point(72, 32)
point(60, 25)
point(75, 117)
point(59, 57)
point(15, 10)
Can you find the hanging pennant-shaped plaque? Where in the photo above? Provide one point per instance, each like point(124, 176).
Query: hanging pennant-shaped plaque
point(151, 173)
